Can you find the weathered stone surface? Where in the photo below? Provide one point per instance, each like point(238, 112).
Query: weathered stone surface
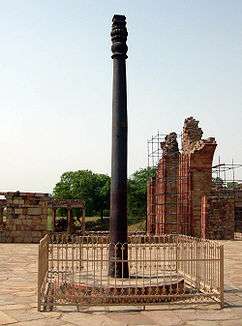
point(162, 190)
point(170, 145)
point(195, 175)
point(18, 201)
point(191, 134)
point(26, 217)
point(181, 198)
point(18, 211)
point(217, 216)
point(6, 319)
point(34, 211)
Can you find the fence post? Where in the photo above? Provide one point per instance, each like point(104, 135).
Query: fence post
point(198, 265)
point(43, 264)
point(221, 276)
point(177, 257)
point(39, 277)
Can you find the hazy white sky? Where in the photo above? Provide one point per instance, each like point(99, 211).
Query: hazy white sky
point(56, 74)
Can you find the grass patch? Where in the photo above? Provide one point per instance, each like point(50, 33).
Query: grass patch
point(94, 223)
point(138, 226)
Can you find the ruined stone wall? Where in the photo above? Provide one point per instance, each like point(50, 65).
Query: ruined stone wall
point(195, 174)
point(164, 190)
point(238, 210)
point(26, 217)
point(166, 187)
point(160, 197)
point(217, 216)
point(2, 205)
point(182, 192)
point(184, 203)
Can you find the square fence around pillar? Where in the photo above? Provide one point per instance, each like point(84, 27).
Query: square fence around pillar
point(175, 269)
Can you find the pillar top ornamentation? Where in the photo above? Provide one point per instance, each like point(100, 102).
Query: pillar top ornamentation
point(119, 35)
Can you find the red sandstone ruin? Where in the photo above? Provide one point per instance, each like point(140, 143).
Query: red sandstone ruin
point(182, 198)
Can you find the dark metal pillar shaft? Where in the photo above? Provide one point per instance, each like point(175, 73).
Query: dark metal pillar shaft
point(118, 221)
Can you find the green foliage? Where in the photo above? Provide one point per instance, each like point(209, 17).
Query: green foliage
point(233, 185)
point(217, 182)
point(92, 188)
point(137, 192)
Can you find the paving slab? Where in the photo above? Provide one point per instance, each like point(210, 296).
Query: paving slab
point(6, 319)
point(168, 318)
point(43, 322)
point(131, 318)
point(92, 319)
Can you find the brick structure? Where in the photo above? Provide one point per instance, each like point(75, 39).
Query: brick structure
point(26, 217)
point(181, 197)
point(27, 214)
point(195, 176)
point(166, 186)
point(67, 204)
point(238, 209)
point(217, 215)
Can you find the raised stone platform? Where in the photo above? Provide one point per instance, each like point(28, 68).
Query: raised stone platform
point(122, 292)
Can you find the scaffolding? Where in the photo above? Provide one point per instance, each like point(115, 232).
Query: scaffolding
point(169, 211)
point(226, 174)
point(154, 151)
point(226, 183)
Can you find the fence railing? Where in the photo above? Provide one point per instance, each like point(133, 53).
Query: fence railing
point(75, 270)
point(238, 236)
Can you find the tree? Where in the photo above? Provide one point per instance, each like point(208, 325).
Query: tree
point(217, 182)
point(92, 188)
point(102, 197)
point(233, 185)
point(137, 192)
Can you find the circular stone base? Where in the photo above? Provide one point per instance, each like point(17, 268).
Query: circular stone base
point(130, 291)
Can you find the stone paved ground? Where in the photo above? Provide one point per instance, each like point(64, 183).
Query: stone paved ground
point(18, 278)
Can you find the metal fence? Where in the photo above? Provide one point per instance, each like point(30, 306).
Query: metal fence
point(238, 236)
point(74, 270)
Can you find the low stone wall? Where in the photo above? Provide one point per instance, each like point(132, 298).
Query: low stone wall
point(21, 236)
point(217, 217)
point(26, 217)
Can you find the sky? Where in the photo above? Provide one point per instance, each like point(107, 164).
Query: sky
point(184, 60)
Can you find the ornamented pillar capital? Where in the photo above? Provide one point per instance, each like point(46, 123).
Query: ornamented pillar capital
point(119, 35)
